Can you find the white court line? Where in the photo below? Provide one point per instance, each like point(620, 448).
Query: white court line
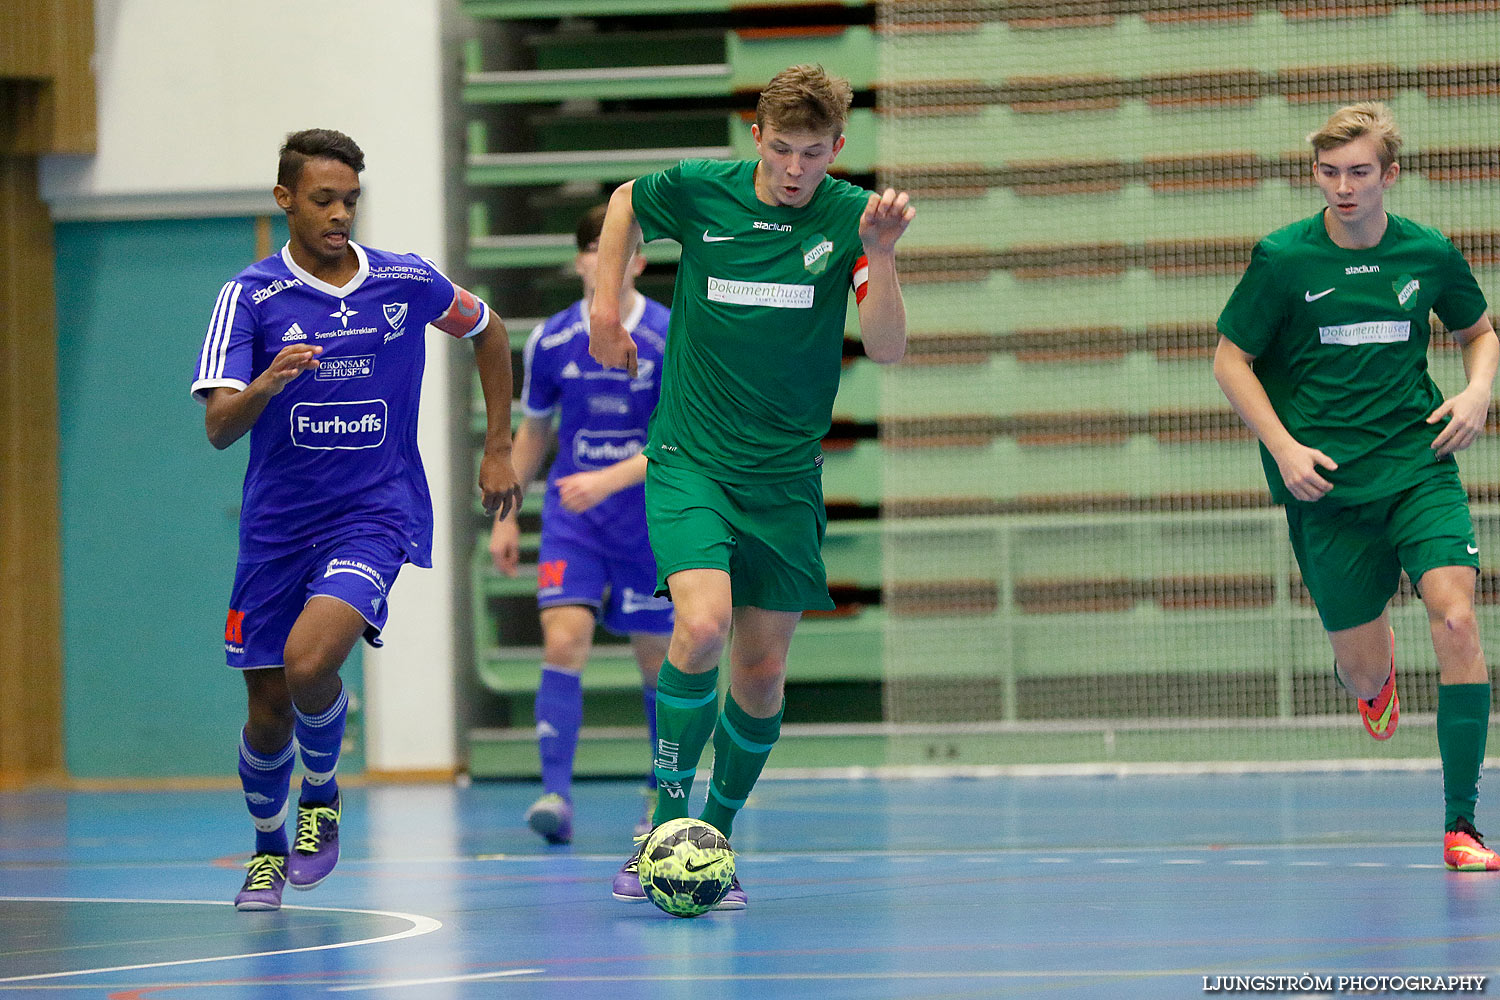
point(472, 977)
point(419, 925)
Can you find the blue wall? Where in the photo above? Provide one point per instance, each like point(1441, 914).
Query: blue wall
point(149, 508)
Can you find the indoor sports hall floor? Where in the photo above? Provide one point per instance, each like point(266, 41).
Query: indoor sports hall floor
point(1108, 887)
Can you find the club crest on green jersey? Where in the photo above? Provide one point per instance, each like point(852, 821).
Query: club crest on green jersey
point(815, 253)
point(1406, 288)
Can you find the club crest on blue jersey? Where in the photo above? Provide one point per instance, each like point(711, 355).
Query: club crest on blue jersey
point(395, 314)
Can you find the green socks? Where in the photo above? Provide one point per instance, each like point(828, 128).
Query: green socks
point(686, 705)
point(741, 745)
point(1463, 720)
point(686, 710)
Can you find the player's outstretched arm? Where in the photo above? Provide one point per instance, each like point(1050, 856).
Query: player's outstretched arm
point(497, 480)
point(1297, 463)
point(582, 490)
point(1468, 410)
point(232, 412)
point(609, 344)
point(882, 312)
point(533, 439)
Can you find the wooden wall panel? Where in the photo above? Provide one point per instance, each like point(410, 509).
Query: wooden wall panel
point(75, 121)
point(46, 106)
point(30, 559)
point(49, 44)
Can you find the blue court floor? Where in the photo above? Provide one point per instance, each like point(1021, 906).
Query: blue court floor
point(1099, 887)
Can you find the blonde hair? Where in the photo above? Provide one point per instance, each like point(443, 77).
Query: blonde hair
point(805, 99)
point(1355, 120)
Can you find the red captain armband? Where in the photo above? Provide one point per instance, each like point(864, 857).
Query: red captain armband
point(465, 317)
point(860, 279)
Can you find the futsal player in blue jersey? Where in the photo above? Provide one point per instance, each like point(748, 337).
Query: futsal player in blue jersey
point(317, 351)
point(595, 559)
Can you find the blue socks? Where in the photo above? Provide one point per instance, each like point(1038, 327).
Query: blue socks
point(267, 783)
point(559, 716)
point(320, 737)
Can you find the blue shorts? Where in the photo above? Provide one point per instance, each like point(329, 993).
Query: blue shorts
point(269, 595)
point(620, 584)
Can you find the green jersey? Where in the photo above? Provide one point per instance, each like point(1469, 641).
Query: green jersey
point(1340, 344)
point(755, 341)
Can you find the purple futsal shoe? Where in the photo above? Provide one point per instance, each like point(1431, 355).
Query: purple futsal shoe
point(316, 849)
point(734, 899)
point(263, 884)
point(627, 884)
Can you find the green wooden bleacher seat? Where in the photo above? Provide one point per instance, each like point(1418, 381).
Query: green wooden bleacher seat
point(982, 133)
point(1134, 212)
point(1134, 45)
point(999, 301)
point(749, 58)
point(614, 155)
point(528, 9)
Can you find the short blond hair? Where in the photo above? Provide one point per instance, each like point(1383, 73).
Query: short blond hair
point(1355, 120)
point(805, 99)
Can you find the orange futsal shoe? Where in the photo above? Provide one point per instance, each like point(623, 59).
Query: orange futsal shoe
point(1464, 850)
point(1381, 714)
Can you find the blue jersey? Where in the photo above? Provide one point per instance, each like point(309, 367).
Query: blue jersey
point(336, 450)
point(601, 412)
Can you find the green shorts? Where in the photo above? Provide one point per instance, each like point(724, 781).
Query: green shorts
point(1352, 557)
point(767, 536)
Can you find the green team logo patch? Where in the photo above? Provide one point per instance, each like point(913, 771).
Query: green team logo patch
point(815, 253)
point(1406, 288)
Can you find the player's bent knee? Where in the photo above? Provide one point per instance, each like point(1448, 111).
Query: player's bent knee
point(1456, 615)
point(268, 721)
point(764, 670)
point(760, 694)
point(703, 635)
point(309, 667)
point(269, 717)
point(267, 697)
point(1461, 621)
point(571, 654)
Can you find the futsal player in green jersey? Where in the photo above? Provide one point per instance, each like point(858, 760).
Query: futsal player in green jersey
point(771, 249)
point(1323, 354)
